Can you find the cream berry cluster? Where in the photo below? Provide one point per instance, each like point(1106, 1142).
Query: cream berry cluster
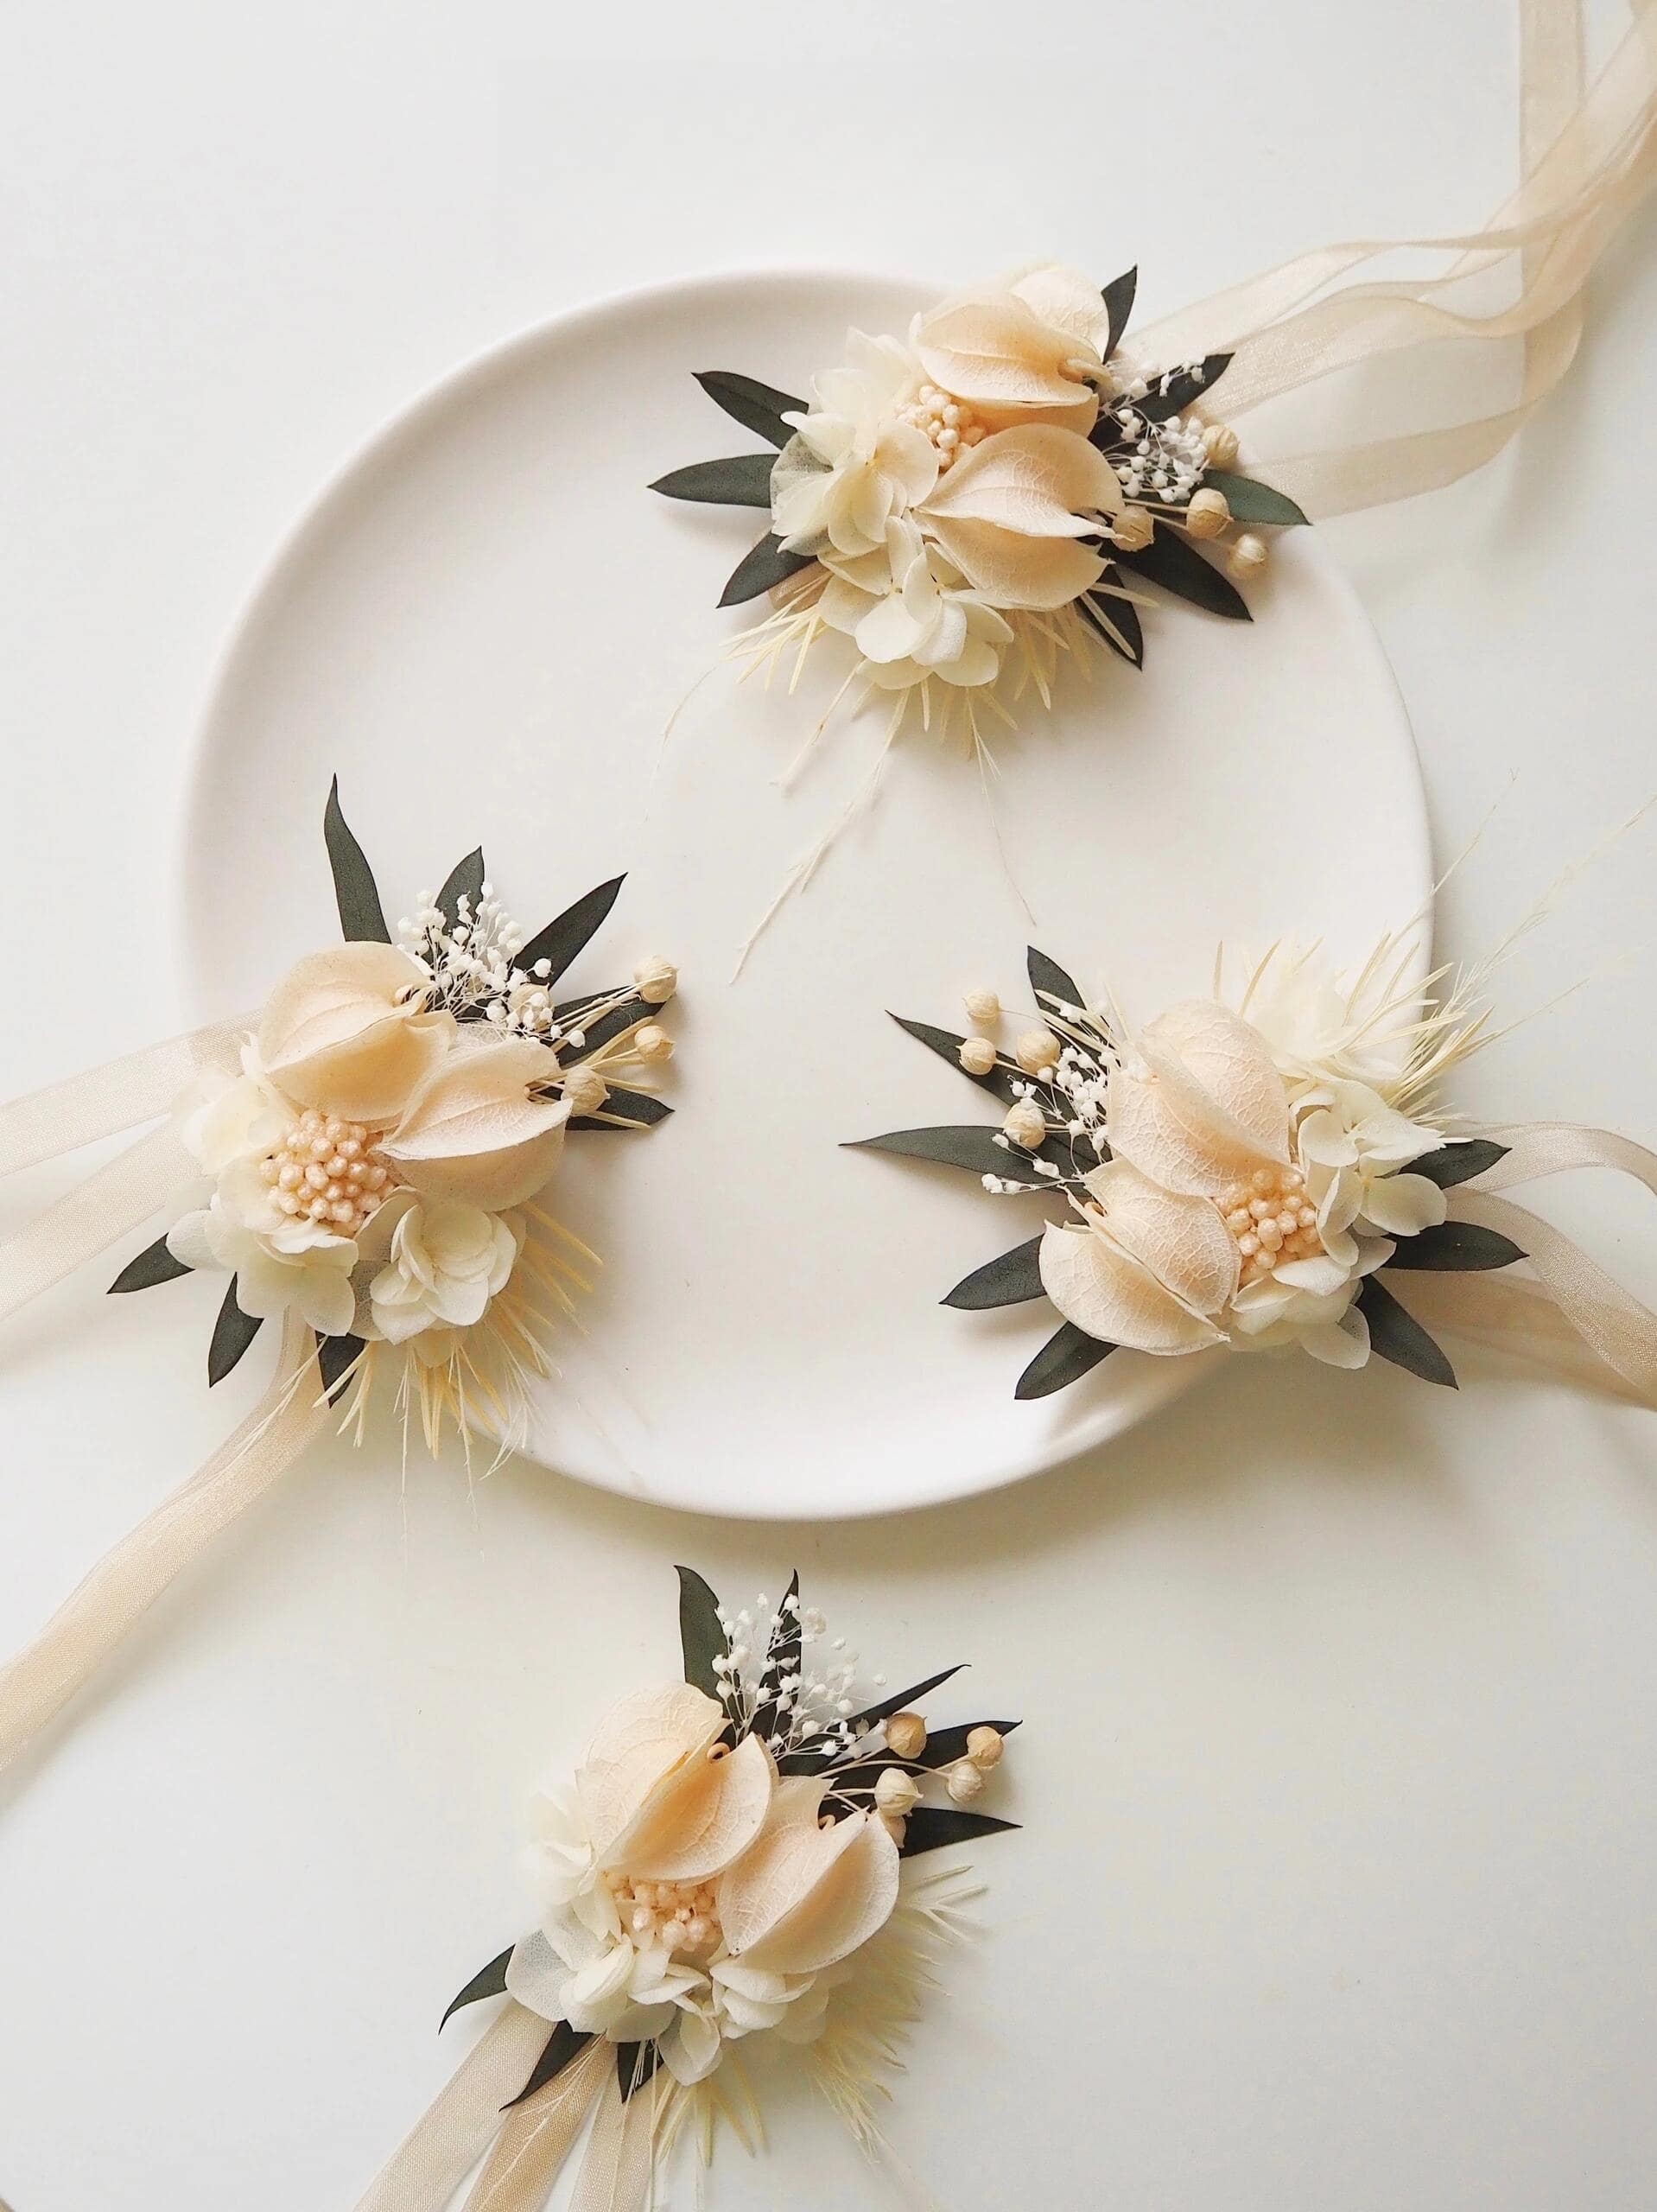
point(326, 1170)
point(679, 1916)
point(1272, 1220)
point(948, 422)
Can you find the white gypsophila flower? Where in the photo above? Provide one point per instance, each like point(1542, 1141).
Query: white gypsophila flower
point(278, 1260)
point(912, 613)
point(853, 462)
point(446, 1260)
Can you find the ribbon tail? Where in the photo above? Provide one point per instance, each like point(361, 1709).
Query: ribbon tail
point(536, 2138)
point(616, 2173)
point(41, 1680)
point(104, 1101)
point(436, 2158)
point(94, 1215)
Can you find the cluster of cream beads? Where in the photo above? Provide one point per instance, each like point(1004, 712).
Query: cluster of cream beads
point(668, 1916)
point(950, 422)
point(1271, 1220)
point(326, 1170)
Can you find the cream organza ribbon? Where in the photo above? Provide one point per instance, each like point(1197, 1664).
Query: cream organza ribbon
point(96, 1213)
point(1557, 1309)
point(1586, 161)
point(529, 2145)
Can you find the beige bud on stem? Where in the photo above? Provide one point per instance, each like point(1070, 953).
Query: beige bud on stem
point(983, 1008)
point(652, 1043)
point(896, 1792)
point(1026, 1125)
point(985, 1746)
point(906, 1735)
point(964, 1780)
point(1132, 530)
point(977, 1055)
point(1208, 513)
point(585, 1091)
point(656, 980)
point(1220, 444)
point(1248, 556)
point(1036, 1051)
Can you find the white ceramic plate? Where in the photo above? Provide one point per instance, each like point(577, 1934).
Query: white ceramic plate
point(484, 627)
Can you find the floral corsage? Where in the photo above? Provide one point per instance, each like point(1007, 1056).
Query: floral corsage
point(366, 1161)
point(1278, 1171)
point(969, 503)
point(734, 1863)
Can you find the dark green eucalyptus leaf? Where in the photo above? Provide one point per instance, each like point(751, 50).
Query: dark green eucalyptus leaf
point(701, 1637)
point(768, 563)
point(635, 2064)
point(232, 1333)
point(153, 1265)
point(1010, 1280)
point(972, 1146)
point(1455, 1245)
point(1049, 981)
point(1459, 1162)
point(934, 1828)
point(465, 879)
point(1395, 1334)
point(1117, 621)
point(900, 1700)
point(1176, 566)
point(1250, 500)
point(758, 407)
point(1066, 1357)
point(1191, 382)
point(743, 481)
point(336, 1356)
point(625, 1109)
point(1118, 297)
point(362, 919)
point(563, 2045)
point(947, 1045)
point(488, 1981)
point(565, 938)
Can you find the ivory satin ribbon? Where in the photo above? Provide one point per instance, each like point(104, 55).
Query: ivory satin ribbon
point(529, 2145)
point(1586, 164)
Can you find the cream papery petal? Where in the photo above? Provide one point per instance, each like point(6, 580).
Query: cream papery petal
point(188, 1241)
point(1198, 1102)
point(636, 1746)
point(1108, 1296)
point(1036, 480)
point(947, 638)
point(1403, 1205)
point(1010, 570)
point(475, 1132)
point(703, 1816)
point(998, 351)
point(1322, 1274)
point(908, 456)
point(843, 605)
point(1323, 1136)
point(536, 1976)
point(344, 1030)
point(1344, 1343)
point(1066, 299)
point(1183, 1241)
point(1389, 1139)
point(1231, 1060)
point(691, 2050)
point(977, 662)
point(803, 1896)
point(888, 631)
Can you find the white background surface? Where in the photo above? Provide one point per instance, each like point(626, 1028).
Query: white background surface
point(1339, 1783)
